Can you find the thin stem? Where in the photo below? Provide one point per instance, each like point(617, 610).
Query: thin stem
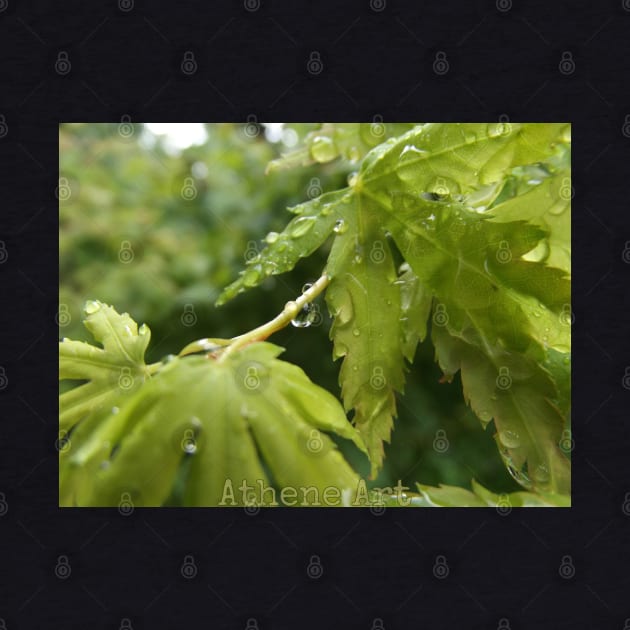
point(290, 311)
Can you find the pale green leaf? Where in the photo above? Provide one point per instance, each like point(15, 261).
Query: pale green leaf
point(520, 395)
point(232, 421)
point(303, 235)
point(112, 372)
point(333, 140)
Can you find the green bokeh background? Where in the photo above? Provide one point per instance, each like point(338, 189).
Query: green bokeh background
point(134, 234)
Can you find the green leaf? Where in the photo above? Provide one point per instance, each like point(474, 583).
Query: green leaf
point(548, 206)
point(251, 419)
point(499, 303)
point(451, 159)
point(519, 394)
point(334, 140)
point(366, 306)
point(303, 235)
point(112, 372)
point(415, 308)
point(453, 496)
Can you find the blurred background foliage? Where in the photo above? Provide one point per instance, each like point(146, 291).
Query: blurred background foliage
point(158, 231)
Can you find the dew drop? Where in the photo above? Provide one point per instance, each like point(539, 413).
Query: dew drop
point(302, 226)
point(306, 316)
point(340, 226)
point(510, 439)
point(252, 276)
point(270, 268)
point(470, 137)
point(326, 209)
point(143, 330)
point(189, 446)
point(323, 149)
point(92, 307)
point(355, 368)
point(541, 473)
point(352, 179)
point(540, 253)
point(495, 130)
point(115, 410)
point(354, 155)
point(565, 134)
point(272, 237)
point(356, 332)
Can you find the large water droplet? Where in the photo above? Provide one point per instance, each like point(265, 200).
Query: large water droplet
point(189, 446)
point(510, 439)
point(91, 306)
point(496, 130)
point(305, 317)
point(340, 226)
point(354, 155)
point(269, 267)
point(323, 149)
point(252, 275)
point(540, 253)
point(541, 473)
point(302, 226)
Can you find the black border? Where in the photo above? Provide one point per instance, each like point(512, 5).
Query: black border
point(377, 60)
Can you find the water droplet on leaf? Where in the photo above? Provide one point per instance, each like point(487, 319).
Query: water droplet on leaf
point(326, 209)
point(541, 473)
point(92, 306)
point(272, 237)
point(302, 226)
point(354, 155)
point(323, 149)
point(495, 130)
point(510, 439)
point(252, 276)
point(340, 227)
